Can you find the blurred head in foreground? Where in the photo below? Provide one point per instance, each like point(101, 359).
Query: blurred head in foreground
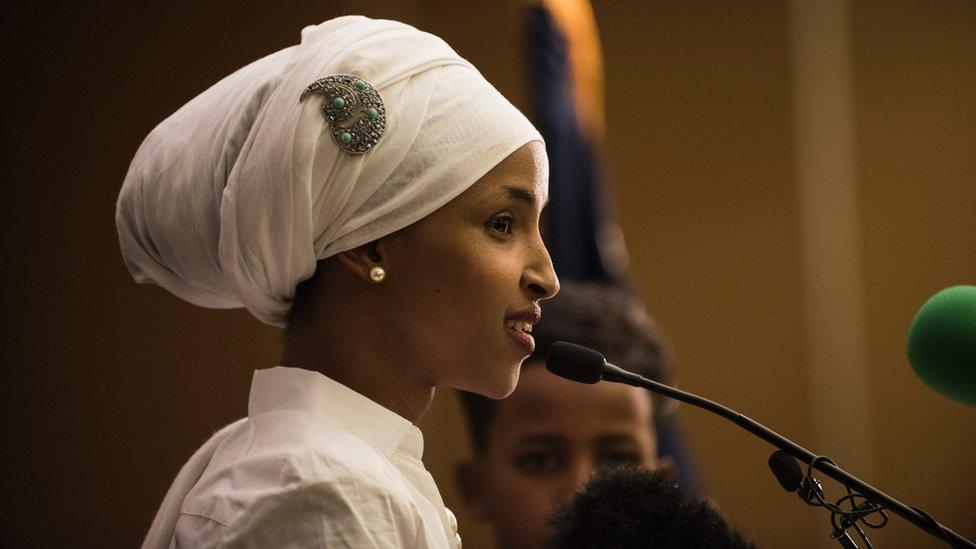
point(630, 507)
point(536, 448)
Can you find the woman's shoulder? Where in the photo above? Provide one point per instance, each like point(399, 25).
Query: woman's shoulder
point(317, 484)
point(304, 449)
point(294, 458)
point(334, 487)
point(326, 514)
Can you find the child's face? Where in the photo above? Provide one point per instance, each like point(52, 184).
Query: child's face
point(545, 440)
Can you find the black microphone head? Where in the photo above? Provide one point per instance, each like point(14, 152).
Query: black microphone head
point(786, 470)
point(575, 362)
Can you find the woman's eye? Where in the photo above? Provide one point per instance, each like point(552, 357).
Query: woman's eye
point(501, 224)
point(538, 463)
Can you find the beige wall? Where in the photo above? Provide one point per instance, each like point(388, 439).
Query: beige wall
point(916, 101)
point(109, 386)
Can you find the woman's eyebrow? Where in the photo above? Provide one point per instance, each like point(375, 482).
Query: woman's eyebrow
point(525, 195)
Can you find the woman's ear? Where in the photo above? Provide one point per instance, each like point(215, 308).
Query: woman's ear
point(366, 261)
point(469, 478)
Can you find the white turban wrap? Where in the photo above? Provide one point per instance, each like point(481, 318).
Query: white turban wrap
point(230, 201)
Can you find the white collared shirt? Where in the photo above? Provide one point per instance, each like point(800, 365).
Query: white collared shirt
point(315, 464)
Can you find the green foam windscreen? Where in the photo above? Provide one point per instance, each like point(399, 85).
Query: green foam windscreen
point(942, 343)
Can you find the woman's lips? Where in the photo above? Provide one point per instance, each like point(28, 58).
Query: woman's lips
point(523, 338)
point(520, 326)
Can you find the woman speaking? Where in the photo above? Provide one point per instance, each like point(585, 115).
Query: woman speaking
point(371, 193)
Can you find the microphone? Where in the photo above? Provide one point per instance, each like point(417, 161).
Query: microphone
point(791, 478)
point(942, 343)
point(786, 470)
point(575, 362)
point(584, 365)
point(637, 507)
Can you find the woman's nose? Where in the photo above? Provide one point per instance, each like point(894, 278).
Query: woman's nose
point(539, 277)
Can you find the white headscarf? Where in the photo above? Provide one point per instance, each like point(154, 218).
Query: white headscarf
point(230, 201)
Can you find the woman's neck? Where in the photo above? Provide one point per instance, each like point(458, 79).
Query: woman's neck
point(360, 366)
point(338, 333)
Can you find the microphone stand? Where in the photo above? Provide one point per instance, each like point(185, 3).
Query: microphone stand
point(919, 518)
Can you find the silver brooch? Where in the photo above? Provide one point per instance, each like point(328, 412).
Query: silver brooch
point(354, 110)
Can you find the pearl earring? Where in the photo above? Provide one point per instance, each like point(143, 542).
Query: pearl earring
point(377, 274)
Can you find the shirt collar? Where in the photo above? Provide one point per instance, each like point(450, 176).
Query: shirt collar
point(299, 390)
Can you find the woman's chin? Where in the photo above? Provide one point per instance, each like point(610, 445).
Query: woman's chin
point(498, 387)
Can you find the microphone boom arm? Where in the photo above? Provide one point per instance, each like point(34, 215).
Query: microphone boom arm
point(912, 515)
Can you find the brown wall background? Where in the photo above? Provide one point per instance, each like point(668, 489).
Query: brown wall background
point(109, 386)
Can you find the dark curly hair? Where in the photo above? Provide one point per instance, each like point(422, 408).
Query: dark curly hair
point(606, 318)
point(623, 508)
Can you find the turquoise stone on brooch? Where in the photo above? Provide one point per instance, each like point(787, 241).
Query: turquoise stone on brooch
point(354, 110)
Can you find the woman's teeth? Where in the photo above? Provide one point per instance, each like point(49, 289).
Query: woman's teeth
point(520, 325)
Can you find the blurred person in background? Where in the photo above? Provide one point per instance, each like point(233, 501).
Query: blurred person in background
point(536, 448)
